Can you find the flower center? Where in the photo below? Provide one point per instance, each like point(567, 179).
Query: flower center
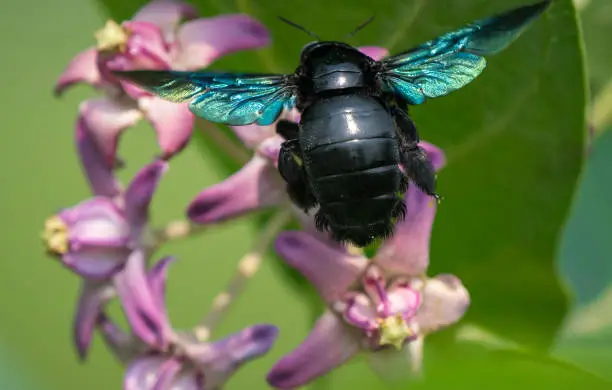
point(55, 235)
point(393, 331)
point(112, 37)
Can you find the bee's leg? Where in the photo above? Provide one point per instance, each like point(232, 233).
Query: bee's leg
point(417, 165)
point(292, 170)
point(287, 129)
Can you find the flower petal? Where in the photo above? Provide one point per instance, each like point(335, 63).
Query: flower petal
point(375, 285)
point(99, 174)
point(330, 270)
point(96, 263)
point(328, 346)
point(202, 41)
point(360, 312)
point(146, 47)
point(253, 135)
point(404, 299)
point(445, 300)
point(256, 185)
point(82, 69)
point(123, 345)
point(167, 373)
point(157, 276)
point(407, 251)
point(146, 318)
point(222, 358)
point(172, 122)
point(92, 298)
point(166, 14)
point(143, 373)
point(270, 148)
point(189, 380)
point(140, 192)
point(105, 120)
point(375, 52)
point(96, 222)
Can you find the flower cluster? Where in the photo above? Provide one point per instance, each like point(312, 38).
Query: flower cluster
point(384, 303)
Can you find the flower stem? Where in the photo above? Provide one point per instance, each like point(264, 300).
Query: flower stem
point(177, 230)
point(248, 266)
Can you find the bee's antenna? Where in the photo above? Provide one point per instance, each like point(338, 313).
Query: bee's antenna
point(361, 26)
point(299, 27)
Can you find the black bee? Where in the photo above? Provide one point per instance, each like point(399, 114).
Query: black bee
point(354, 132)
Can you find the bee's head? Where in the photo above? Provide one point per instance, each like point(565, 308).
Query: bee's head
point(319, 48)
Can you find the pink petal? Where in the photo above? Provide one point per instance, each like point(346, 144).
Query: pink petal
point(375, 285)
point(375, 52)
point(105, 120)
point(360, 312)
point(82, 69)
point(99, 174)
point(404, 299)
point(202, 41)
point(328, 346)
point(329, 269)
point(123, 345)
point(445, 300)
point(140, 192)
point(146, 47)
point(189, 380)
point(166, 14)
point(221, 359)
point(92, 298)
point(142, 374)
point(407, 251)
point(270, 148)
point(253, 135)
point(167, 373)
point(146, 319)
point(96, 263)
point(257, 185)
point(157, 276)
point(96, 222)
point(172, 122)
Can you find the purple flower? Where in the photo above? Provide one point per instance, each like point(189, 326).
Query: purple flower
point(174, 360)
point(153, 39)
point(258, 184)
point(97, 237)
point(375, 305)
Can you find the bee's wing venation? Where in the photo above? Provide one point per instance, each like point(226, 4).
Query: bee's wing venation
point(454, 59)
point(227, 98)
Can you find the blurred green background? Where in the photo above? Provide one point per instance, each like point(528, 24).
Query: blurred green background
point(514, 141)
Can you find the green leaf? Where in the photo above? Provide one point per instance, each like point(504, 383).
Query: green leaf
point(596, 20)
point(584, 263)
point(514, 141)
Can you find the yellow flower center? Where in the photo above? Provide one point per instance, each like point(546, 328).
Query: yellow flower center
point(55, 235)
point(393, 331)
point(112, 37)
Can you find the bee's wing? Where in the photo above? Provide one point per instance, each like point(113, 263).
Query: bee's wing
point(226, 98)
point(454, 59)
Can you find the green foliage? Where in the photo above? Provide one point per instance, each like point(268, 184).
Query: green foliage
point(596, 18)
point(513, 138)
point(584, 263)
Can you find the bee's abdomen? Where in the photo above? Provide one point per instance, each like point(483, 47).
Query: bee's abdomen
point(351, 155)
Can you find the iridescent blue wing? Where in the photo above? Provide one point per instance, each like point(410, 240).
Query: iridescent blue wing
point(227, 98)
point(454, 59)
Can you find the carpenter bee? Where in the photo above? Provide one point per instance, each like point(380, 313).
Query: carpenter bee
point(345, 154)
